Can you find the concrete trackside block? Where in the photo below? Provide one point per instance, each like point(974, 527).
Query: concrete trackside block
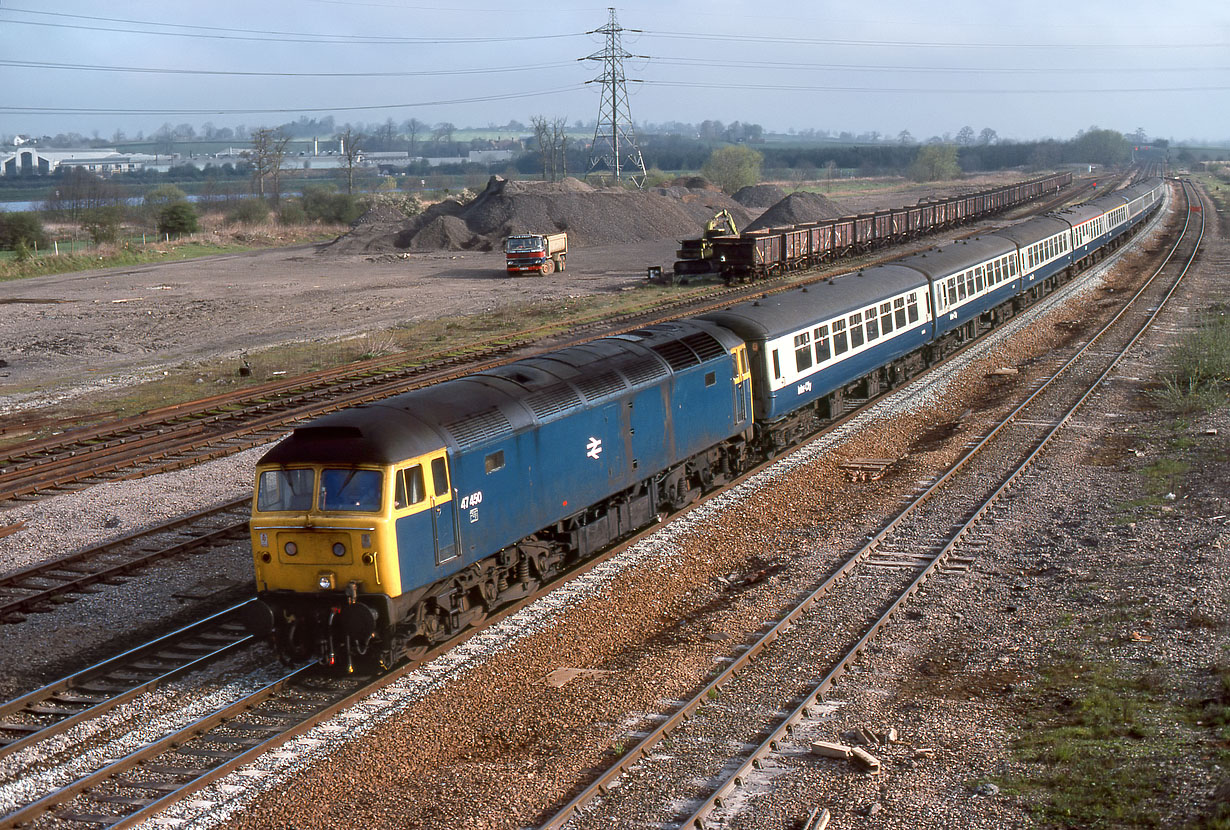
point(830, 750)
point(865, 760)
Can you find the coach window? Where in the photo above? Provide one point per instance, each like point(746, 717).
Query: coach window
point(410, 489)
point(802, 351)
point(886, 317)
point(839, 337)
point(899, 311)
point(1012, 266)
point(439, 475)
point(912, 307)
point(822, 344)
point(961, 287)
point(777, 366)
point(979, 284)
point(856, 329)
point(969, 283)
point(873, 327)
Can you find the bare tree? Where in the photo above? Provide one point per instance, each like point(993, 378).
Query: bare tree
point(268, 151)
point(413, 129)
point(351, 152)
point(559, 147)
point(965, 136)
point(988, 136)
point(552, 141)
point(443, 133)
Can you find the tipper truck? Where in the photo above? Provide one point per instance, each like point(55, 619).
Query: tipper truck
point(544, 253)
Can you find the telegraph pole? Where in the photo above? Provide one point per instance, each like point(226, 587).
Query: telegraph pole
point(614, 144)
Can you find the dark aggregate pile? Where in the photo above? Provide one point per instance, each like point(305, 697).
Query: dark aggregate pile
point(798, 208)
point(759, 195)
point(590, 216)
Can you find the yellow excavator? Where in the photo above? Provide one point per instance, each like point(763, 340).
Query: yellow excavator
point(695, 256)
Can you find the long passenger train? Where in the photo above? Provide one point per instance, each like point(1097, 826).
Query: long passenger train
point(382, 529)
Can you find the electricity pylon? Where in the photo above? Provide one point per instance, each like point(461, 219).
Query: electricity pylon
point(614, 138)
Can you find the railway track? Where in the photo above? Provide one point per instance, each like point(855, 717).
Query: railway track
point(40, 587)
point(760, 706)
point(179, 436)
point(144, 782)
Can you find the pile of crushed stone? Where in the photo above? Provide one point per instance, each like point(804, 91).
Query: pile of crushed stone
point(759, 195)
point(796, 209)
point(590, 216)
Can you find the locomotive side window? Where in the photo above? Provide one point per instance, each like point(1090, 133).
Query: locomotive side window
point(856, 329)
point(351, 490)
point(802, 351)
point(886, 314)
point(839, 337)
point(285, 490)
point(439, 476)
point(822, 344)
point(410, 487)
point(710, 378)
point(495, 461)
point(873, 326)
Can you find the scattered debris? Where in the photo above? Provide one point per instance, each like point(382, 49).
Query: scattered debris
point(817, 819)
point(562, 676)
point(867, 469)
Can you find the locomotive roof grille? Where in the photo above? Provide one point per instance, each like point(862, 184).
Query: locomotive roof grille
point(677, 355)
point(601, 385)
point(642, 370)
point(705, 345)
point(553, 400)
point(480, 427)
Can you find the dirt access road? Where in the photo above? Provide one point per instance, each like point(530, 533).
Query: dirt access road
point(69, 334)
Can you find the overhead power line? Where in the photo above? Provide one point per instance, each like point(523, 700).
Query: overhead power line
point(484, 70)
point(221, 33)
point(17, 110)
point(921, 44)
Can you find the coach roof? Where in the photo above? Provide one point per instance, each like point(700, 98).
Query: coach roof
point(777, 314)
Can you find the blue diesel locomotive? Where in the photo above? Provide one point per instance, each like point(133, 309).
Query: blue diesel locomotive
point(380, 530)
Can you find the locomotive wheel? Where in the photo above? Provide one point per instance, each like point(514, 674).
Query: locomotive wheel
point(548, 267)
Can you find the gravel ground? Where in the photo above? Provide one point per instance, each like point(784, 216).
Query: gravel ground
point(479, 739)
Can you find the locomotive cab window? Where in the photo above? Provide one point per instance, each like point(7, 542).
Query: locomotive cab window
point(494, 461)
point(410, 487)
point(285, 490)
point(351, 490)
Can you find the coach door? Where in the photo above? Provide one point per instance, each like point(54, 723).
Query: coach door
point(443, 512)
point(743, 382)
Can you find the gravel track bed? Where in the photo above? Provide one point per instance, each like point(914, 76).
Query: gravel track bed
point(478, 739)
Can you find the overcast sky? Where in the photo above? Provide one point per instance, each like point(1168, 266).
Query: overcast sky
point(1025, 69)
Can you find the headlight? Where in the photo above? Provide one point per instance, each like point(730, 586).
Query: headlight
point(291, 548)
point(339, 549)
point(325, 581)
